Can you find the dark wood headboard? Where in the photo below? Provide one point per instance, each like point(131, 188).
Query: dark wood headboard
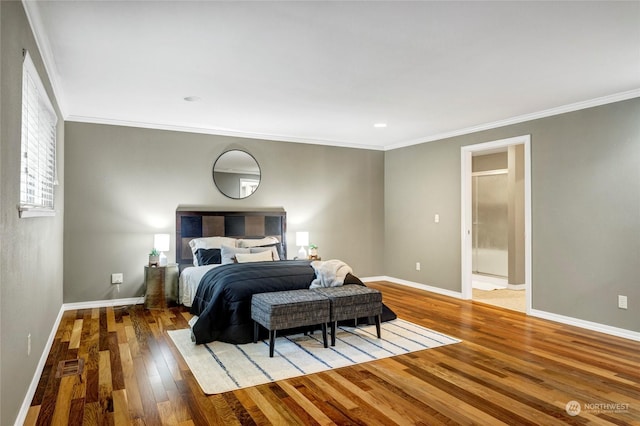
point(195, 222)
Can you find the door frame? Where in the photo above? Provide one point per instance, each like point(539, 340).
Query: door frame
point(466, 154)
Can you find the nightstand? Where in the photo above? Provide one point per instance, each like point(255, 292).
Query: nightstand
point(161, 286)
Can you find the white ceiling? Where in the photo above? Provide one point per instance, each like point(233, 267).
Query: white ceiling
point(325, 72)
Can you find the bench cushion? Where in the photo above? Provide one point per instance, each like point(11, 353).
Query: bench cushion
point(288, 309)
point(352, 301)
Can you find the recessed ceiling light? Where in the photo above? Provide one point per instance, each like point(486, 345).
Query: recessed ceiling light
point(380, 125)
point(193, 98)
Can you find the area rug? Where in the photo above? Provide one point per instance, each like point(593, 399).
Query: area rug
point(221, 367)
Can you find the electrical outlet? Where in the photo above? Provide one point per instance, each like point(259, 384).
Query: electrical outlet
point(116, 278)
point(622, 302)
point(417, 266)
point(436, 218)
point(28, 344)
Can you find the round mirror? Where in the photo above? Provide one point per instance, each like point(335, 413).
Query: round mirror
point(236, 174)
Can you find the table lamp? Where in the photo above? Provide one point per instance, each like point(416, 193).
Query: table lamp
point(302, 240)
point(161, 243)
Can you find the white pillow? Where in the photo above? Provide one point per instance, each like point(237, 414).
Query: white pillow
point(264, 256)
point(259, 242)
point(228, 253)
point(209, 243)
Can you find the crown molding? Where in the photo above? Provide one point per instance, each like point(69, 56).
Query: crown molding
point(44, 48)
point(219, 132)
point(617, 97)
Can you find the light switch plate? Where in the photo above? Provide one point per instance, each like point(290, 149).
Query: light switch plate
point(622, 302)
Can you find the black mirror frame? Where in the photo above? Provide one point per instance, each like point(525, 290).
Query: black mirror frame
point(213, 171)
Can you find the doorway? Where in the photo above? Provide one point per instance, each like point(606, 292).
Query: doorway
point(496, 222)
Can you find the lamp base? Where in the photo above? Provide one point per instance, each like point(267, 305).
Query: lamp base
point(162, 260)
point(302, 253)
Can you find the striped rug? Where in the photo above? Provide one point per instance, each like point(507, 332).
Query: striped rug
point(221, 367)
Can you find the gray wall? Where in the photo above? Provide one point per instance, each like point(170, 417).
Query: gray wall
point(585, 208)
point(31, 248)
point(124, 184)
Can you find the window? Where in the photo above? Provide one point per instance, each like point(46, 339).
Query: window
point(248, 186)
point(38, 148)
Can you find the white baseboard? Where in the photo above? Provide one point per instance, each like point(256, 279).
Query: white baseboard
point(438, 290)
point(103, 303)
point(502, 282)
point(594, 326)
point(26, 403)
point(24, 409)
point(371, 279)
point(516, 286)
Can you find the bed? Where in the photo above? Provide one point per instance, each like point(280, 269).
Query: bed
point(227, 256)
point(195, 222)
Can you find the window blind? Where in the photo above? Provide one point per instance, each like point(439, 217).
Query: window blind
point(38, 147)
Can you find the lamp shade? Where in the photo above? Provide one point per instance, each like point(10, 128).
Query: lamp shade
point(161, 242)
point(302, 238)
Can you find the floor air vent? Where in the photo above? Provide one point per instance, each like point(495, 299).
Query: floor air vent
point(70, 367)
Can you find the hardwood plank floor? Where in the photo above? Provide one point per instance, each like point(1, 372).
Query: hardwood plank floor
point(510, 369)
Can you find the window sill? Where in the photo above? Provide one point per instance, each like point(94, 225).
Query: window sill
point(25, 212)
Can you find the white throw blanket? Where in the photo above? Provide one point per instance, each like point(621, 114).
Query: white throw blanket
point(330, 273)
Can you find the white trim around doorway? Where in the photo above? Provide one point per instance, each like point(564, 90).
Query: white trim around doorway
point(466, 216)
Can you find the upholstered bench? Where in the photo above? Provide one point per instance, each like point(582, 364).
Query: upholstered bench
point(352, 301)
point(288, 309)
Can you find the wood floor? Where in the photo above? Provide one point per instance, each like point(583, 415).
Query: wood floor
point(510, 369)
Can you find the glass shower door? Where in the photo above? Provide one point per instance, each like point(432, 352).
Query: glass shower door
point(490, 224)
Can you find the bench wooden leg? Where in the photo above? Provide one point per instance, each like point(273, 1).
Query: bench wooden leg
point(324, 334)
point(378, 325)
point(256, 329)
point(272, 342)
point(333, 333)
